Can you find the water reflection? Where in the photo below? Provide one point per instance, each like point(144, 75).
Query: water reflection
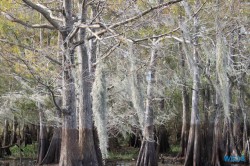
point(127, 163)
point(17, 162)
point(30, 162)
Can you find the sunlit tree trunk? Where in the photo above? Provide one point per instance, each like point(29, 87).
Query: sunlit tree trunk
point(87, 141)
point(185, 107)
point(147, 155)
point(69, 128)
point(69, 147)
point(193, 149)
point(223, 61)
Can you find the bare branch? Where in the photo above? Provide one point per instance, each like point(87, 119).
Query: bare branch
point(45, 12)
point(132, 19)
point(169, 34)
point(13, 19)
point(39, 80)
point(144, 13)
point(31, 49)
point(110, 50)
point(158, 36)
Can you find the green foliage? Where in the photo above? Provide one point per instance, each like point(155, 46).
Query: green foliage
point(29, 151)
point(25, 104)
point(175, 149)
point(125, 154)
point(28, 110)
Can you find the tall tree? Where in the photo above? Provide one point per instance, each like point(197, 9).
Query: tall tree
point(147, 155)
point(193, 156)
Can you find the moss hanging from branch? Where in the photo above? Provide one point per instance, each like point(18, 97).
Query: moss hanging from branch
point(99, 94)
point(137, 98)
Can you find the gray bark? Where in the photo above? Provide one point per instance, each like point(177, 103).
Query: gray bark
point(87, 141)
point(193, 149)
point(147, 155)
point(43, 136)
point(185, 106)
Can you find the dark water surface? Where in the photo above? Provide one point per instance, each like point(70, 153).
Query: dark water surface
point(16, 162)
point(30, 162)
point(122, 163)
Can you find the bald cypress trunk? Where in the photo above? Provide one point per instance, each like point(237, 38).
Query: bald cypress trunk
point(147, 155)
point(69, 149)
point(6, 138)
point(193, 154)
point(86, 127)
point(43, 137)
point(53, 153)
point(185, 106)
point(14, 134)
point(217, 148)
point(87, 140)
point(193, 148)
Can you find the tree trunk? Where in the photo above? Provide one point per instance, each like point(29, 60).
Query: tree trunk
point(147, 155)
point(162, 142)
point(217, 151)
point(33, 132)
point(69, 145)
point(245, 125)
point(6, 138)
point(14, 134)
point(207, 137)
point(53, 153)
point(193, 149)
point(185, 109)
point(237, 129)
point(86, 128)
point(89, 155)
point(43, 137)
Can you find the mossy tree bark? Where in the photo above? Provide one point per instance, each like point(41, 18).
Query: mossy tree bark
point(193, 153)
point(147, 155)
point(69, 146)
point(89, 153)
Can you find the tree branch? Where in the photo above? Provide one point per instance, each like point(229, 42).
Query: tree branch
point(110, 50)
point(38, 79)
point(45, 12)
point(13, 19)
point(132, 19)
point(169, 34)
point(31, 49)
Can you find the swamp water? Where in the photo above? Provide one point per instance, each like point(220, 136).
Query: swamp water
point(30, 162)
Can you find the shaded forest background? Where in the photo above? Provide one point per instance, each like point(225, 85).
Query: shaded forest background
point(81, 79)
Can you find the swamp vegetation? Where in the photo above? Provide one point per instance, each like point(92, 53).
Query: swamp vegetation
point(124, 82)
